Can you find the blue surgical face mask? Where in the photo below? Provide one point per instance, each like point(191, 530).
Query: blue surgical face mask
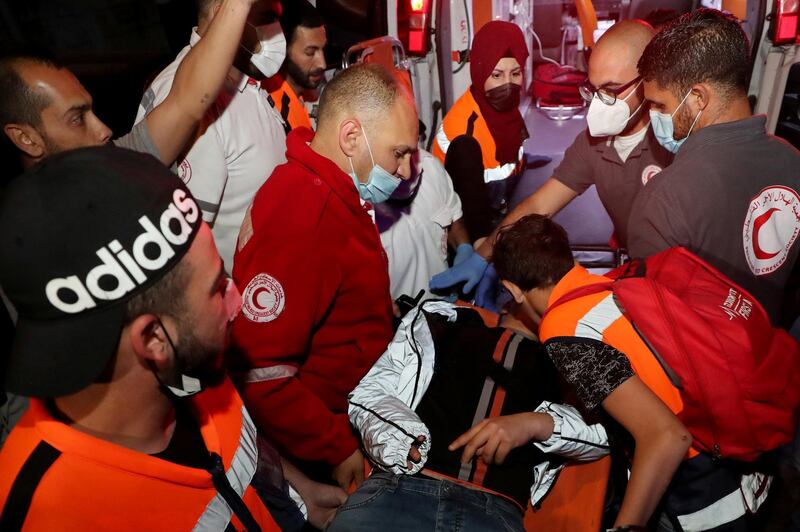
point(380, 185)
point(664, 129)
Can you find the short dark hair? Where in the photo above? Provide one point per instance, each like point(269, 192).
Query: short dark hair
point(165, 297)
point(19, 103)
point(705, 45)
point(532, 252)
point(298, 13)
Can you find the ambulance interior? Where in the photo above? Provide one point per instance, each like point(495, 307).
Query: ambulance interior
point(431, 39)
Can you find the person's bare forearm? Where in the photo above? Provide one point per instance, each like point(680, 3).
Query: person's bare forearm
point(201, 73)
point(457, 234)
point(198, 80)
point(654, 464)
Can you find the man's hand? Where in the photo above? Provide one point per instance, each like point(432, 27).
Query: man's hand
point(493, 438)
point(322, 501)
point(349, 471)
point(413, 454)
point(470, 269)
point(486, 295)
point(463, 252)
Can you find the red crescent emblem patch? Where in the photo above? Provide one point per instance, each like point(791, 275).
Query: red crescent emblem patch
point(770, 229)
point(263, 299)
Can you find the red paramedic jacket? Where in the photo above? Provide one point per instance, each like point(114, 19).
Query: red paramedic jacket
point(316, 306)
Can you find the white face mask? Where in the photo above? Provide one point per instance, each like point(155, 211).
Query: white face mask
point(609, 120)
point(273, 49)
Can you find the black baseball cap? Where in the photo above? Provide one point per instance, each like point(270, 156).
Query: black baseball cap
point(81, 233)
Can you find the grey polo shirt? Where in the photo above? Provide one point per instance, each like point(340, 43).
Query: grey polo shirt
point(595, 161)
point(138, 139)
point(732, 197)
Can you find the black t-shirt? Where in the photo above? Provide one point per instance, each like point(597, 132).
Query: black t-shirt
point(593, 368)
point(187, 447)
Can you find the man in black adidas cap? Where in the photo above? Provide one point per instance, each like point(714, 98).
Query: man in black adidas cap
point(123, 312)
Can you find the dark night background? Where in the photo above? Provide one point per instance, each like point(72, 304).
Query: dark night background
point(115, 47)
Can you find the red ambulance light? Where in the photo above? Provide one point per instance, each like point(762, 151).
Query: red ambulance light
point(785, 18)
point(414, 22)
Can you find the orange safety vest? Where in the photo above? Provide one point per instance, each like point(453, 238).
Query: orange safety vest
point(54, 477)
point(598, 317)
point(290, 107)
point(577, 499)
point(465, 118)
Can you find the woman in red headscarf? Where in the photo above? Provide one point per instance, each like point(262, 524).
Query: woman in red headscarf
point(480, 140)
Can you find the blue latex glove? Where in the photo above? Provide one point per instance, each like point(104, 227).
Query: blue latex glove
point(487, 292)
point(470, 270)
point(463, 252)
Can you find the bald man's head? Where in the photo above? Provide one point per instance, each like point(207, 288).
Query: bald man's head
point(364, 91)
point(615, 55)
point(367, 118)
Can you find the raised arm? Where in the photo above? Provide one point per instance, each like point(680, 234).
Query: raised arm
point(198, 80)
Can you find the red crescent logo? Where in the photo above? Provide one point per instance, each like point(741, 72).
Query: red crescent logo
point(257, 293)
point(757, 224)
point(271, 306)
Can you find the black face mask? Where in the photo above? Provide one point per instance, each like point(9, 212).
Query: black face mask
point(195, 368)
point(505, 97)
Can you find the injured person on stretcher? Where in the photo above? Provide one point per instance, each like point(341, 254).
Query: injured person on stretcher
point(464, 424)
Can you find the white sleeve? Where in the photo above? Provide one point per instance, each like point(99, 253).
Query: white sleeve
point(205, 169)
point(205, 172)
point(157, 92)
point(382, 405)
point(387, 425)
point(452, 201)
point(571, 438)
point(448, 203)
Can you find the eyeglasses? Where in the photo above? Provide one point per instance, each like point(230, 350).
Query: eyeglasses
point(607, 96)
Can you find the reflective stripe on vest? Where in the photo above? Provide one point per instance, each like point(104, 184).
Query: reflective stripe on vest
point(270, 373)
point(594, 323)
point(747, 499)
point(498, 173)
point(457, 122)
point(217, 513)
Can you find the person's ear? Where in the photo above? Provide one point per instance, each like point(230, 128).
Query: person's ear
point(702, 94)
point(349, 131)
point(149, 340)
point(26, 139)
point(516, 291)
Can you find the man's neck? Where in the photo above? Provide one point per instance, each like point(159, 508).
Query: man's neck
point(322, 146)
point(136, 415)
point(733, 111)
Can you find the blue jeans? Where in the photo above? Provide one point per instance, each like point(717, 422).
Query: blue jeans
point(386, 502)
